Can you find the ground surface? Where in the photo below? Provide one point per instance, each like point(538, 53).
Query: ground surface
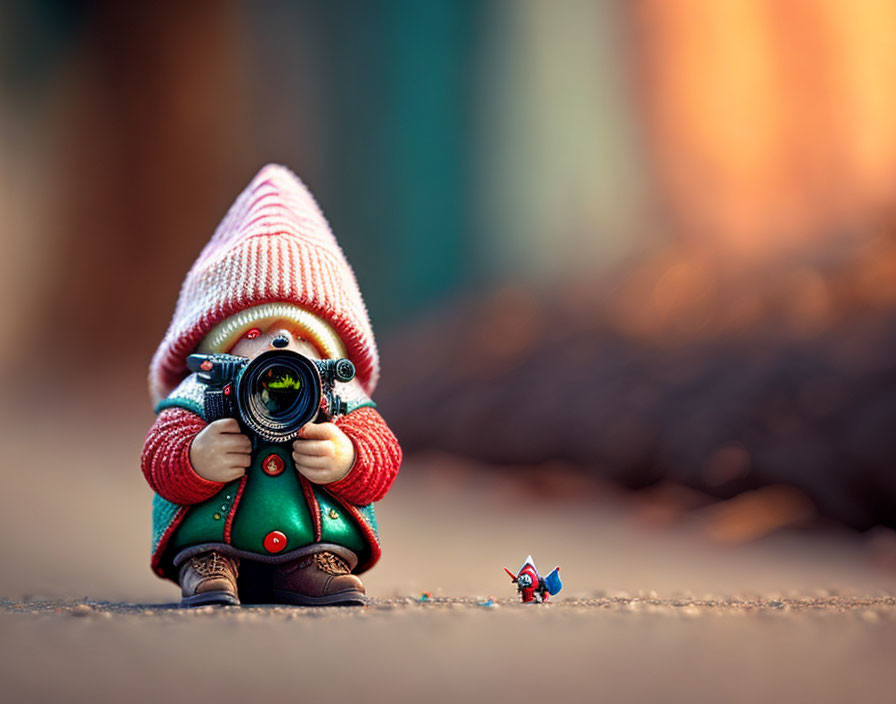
point(611, 649)
point(649, 611)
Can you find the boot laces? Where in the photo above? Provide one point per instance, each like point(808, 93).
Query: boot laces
point(331, 564)
point(213, 565)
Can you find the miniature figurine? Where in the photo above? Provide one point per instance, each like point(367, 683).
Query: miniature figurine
point(267, 459)
point(533, 588)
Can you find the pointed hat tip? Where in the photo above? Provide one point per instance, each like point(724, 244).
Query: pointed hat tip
point(275, 173)
point(281, 179)
point(527, 561)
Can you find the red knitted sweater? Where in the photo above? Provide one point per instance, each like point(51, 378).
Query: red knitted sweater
point(166, 458)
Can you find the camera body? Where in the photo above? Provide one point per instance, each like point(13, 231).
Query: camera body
point(273, 395)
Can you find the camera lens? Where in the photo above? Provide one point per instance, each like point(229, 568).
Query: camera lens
point(279, 390)
point(277, 394)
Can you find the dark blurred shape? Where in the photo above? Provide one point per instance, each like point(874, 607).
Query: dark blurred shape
point(723, 383)
point(150, 136)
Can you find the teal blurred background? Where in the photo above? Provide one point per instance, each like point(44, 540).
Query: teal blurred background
point(451, 144)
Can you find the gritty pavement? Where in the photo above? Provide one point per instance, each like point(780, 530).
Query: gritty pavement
point(635, 648)
point(650, 611)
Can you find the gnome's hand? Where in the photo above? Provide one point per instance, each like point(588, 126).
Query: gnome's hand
point(323, 453)
point(220, 452)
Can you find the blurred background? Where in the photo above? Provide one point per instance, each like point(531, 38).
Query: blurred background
point(641, 251)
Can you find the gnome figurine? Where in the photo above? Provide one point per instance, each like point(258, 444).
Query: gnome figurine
point(533, 588)
point(240, 515)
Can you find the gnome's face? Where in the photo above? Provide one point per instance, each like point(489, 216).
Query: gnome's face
point(261, 339)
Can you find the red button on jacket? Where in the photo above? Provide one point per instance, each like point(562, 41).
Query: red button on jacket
point(274, 541)
point(273, 465)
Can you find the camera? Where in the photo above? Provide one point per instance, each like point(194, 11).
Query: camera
point(273, 395)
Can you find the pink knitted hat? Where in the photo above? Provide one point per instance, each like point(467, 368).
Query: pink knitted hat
point(274, 245)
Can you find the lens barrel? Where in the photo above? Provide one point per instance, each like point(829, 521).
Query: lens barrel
point(278, 392)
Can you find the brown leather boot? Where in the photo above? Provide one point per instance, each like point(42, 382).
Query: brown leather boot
point(209, 578)
point(321, 579)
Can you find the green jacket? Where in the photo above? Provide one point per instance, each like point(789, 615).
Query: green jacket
point(272, 514)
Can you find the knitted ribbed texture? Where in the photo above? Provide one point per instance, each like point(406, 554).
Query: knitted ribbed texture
point(166, 459)
point(377, 457)
point(273, 245)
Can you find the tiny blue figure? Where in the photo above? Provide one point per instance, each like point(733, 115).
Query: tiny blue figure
point(533, 588)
